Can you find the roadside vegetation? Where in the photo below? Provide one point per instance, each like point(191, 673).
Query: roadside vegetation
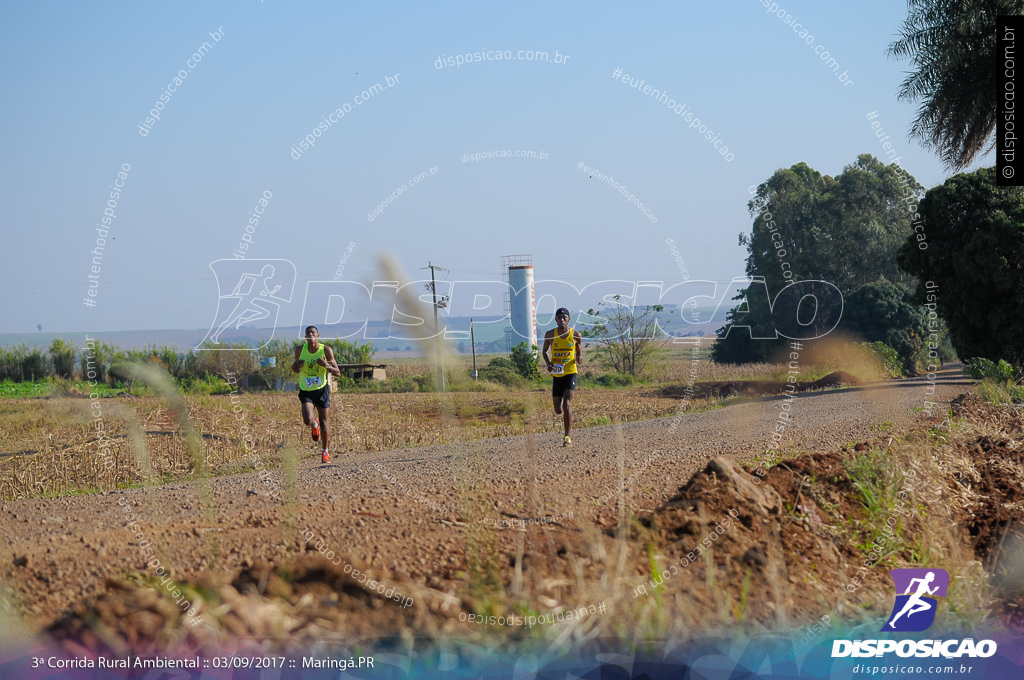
point(1000, 383)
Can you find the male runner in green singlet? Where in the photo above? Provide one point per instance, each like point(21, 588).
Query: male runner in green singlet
point(566, 346)
point(313, 362)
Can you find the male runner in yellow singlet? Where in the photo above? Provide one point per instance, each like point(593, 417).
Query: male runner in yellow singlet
point(566, 346)
point(312, 362)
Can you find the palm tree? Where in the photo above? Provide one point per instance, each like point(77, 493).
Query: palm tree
point(951, 45)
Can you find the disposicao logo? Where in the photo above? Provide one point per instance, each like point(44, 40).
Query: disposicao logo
point(914, 610)
point(917, 591)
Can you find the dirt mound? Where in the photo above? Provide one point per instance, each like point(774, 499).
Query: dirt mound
point(724, 389)
point(836, 379)
point(771, 535)
point(800, 534)
point(991, 478)
point(309, 601)
point(999, 489)
point(126, 617)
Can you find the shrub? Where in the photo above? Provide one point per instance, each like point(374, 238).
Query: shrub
point(524, 360)
point(886, 356)
point(616, 380)
point(980, 369)
point(501, 375)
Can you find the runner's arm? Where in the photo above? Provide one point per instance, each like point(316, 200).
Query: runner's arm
point(579, 348)
point(297, 364)
point(331, 365)
point(547, 345)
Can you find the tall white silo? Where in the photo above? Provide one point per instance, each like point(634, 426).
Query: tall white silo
point(522, 307)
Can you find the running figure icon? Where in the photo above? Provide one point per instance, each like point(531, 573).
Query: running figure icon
point(918, 591)
point(915, 603)
point(250, 307)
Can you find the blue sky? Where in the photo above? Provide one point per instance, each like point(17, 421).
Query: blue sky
point(80, 79)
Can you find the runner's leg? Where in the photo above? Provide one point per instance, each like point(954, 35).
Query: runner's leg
point(307, 413)
point(325, 432)
point(567, 410)
point(919, 607)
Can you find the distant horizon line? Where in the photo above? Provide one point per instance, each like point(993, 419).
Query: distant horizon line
point(278, 327)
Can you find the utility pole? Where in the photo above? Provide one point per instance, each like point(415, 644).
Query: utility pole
point(472, 342)
point(437, 330)
point(433, 291)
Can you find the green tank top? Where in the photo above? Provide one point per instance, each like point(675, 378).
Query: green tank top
point(313, 376)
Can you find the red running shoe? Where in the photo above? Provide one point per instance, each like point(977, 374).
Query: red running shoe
point(325, 457)
point(315, 432)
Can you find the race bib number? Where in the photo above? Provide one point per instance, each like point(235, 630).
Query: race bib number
point(313, 381)
point(557, 369)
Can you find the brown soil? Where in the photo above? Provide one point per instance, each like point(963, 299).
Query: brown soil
point(992, 516)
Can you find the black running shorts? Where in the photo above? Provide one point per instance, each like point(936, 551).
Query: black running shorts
point(320, 397)
point(561, 383)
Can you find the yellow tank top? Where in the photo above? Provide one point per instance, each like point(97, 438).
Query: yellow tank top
point(313, 376)
point(563, 352)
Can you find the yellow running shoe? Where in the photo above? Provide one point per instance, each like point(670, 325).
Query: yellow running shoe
point(566, 441)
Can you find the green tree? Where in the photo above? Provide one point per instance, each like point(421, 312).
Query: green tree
point(627, 337)
point(283, 352)
point(972, 268)
point(94, 362)
point(811, 227)
point(885, 312)
point(62, 357)
point(19, 363)
point(174, 361)
point(346, 352)
point(524, 360)
point(236, 360)
point(952, 48)
point(33, 364)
